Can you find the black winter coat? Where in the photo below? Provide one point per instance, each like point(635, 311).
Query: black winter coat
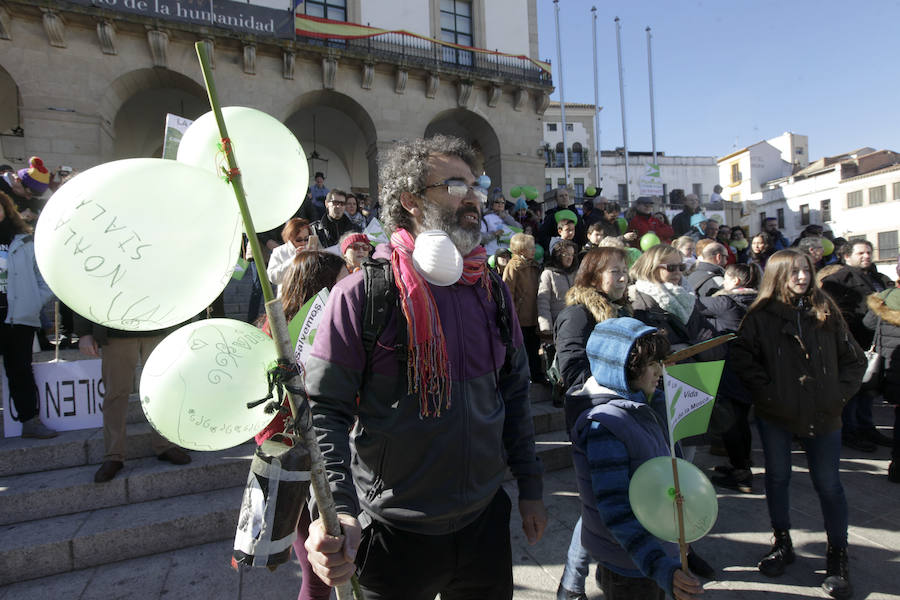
point(849, 287)
point(885, 323)
point(706, 279)
point(696, 330)
point(725, 312)
point(799, 373)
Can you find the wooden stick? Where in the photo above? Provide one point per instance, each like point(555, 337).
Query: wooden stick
point(278, 326)
point(697, 348)
point(679, 510)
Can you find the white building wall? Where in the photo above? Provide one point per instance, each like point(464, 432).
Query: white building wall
point(398, 14)
point(506, 26)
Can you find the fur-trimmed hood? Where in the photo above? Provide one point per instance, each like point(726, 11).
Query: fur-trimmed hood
point(829, 270)
point(599, 305)
point(879, 307)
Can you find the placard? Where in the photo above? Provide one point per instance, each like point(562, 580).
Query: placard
point(70, 393)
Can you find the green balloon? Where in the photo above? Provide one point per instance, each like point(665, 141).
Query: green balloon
point(531, 192)
point(197, 382)
point(590, 191)
point(516, 191)
point(633, 255)
point(492, 261)
point(648, 240)
point(539, 253)
point(827, 246)
point(623, 224)
point(139, 244)
point(652, 497)
point(273, 165)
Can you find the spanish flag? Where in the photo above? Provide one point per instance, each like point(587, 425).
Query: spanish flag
point(339, 30)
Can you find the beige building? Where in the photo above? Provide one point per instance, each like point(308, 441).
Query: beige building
point(89, 81)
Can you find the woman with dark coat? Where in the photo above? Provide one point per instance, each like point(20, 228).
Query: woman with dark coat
point(884, 318)
point(797, 358)
point(659, 300)
point(597, 295)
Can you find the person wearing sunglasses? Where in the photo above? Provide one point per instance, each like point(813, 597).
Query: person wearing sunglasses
point(335, 223)
point(295, 235)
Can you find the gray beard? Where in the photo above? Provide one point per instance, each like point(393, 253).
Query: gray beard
point(435, 216)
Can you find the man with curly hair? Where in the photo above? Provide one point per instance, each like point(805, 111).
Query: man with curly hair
point(416, 449)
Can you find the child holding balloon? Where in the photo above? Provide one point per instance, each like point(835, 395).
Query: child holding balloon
point(612, 438)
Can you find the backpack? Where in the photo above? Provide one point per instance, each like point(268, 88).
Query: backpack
point(382, 299)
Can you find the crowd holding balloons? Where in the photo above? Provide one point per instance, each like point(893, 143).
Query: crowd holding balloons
point(142, 261)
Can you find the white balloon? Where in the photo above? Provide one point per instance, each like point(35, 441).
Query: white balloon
point(436, 258)
point(273, 165)
point(138, 244)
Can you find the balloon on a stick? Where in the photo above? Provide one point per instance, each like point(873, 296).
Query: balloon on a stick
point(138, 244)
point(272, 163)
point(197, 382)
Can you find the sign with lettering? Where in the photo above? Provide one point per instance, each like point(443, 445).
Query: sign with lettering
point(228, 14)
point(70, 395)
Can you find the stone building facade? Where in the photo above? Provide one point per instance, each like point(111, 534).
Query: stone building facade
point(84, 82)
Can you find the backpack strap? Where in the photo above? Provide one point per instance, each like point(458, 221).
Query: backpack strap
point(381, 300)
point(504, 321)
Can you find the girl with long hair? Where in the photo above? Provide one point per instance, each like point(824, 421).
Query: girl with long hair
point(309, 273)
point(556, 279)
point(295, 236)
point(760, 250)
point(795, 355)
point(23, 293)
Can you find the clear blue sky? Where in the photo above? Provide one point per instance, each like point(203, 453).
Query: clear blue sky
point(729, 73)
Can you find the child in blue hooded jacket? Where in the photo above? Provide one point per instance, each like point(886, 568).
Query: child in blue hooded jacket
point(613, 437)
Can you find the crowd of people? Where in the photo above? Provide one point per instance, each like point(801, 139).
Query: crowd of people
point(420, 420)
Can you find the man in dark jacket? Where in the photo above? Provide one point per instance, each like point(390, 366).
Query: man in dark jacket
point(548, 228)
point(335, 223)
point(681, 223)
point(432, 436)
point(849, 285)
point(709, 274)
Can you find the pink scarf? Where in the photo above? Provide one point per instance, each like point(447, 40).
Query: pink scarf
point(428, 366)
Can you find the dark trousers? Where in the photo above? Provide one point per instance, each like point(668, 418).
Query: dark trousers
point(15, 347)
point(620, 587)
point(532, 342)
point(474, 563)
point(895, 452)
point(737, 439)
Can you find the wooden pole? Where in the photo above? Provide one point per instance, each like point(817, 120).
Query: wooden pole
point(679, 510)
point(278, 326)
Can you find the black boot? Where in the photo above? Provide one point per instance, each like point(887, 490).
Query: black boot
point(837, 573)
point(781, 554)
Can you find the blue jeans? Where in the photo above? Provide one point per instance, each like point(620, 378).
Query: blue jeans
point(823, 455)
point(857, 414)
point(578, 563)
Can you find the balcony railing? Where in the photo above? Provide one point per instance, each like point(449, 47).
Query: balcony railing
point(414, 51)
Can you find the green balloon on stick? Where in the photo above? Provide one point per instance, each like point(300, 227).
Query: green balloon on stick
point(623, 224)
point(516, 191)
point(652, 497)
point(590, 191)
point(197, 382)
point(272, 162)
point(538, 253)
point(531, 192)
point(827, 246)
point(648, 240)
point(139, 244)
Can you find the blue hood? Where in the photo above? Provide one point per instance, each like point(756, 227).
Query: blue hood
point(608, 348)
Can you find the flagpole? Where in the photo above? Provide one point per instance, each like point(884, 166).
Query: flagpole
point(652, 118)
point(562, 94)
point(622, 102)
point(597, 166)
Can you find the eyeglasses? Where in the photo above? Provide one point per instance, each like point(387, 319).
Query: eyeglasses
point(459, 189)
point(302, 240)
point(361, 246)
point(673, 268)
point(338, 202)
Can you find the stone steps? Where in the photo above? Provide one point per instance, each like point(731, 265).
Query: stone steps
point(54, 519)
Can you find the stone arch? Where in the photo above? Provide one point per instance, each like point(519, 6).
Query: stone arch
point(135, 105)
point(9, 102)
point(345, 135)
point(473, 128)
